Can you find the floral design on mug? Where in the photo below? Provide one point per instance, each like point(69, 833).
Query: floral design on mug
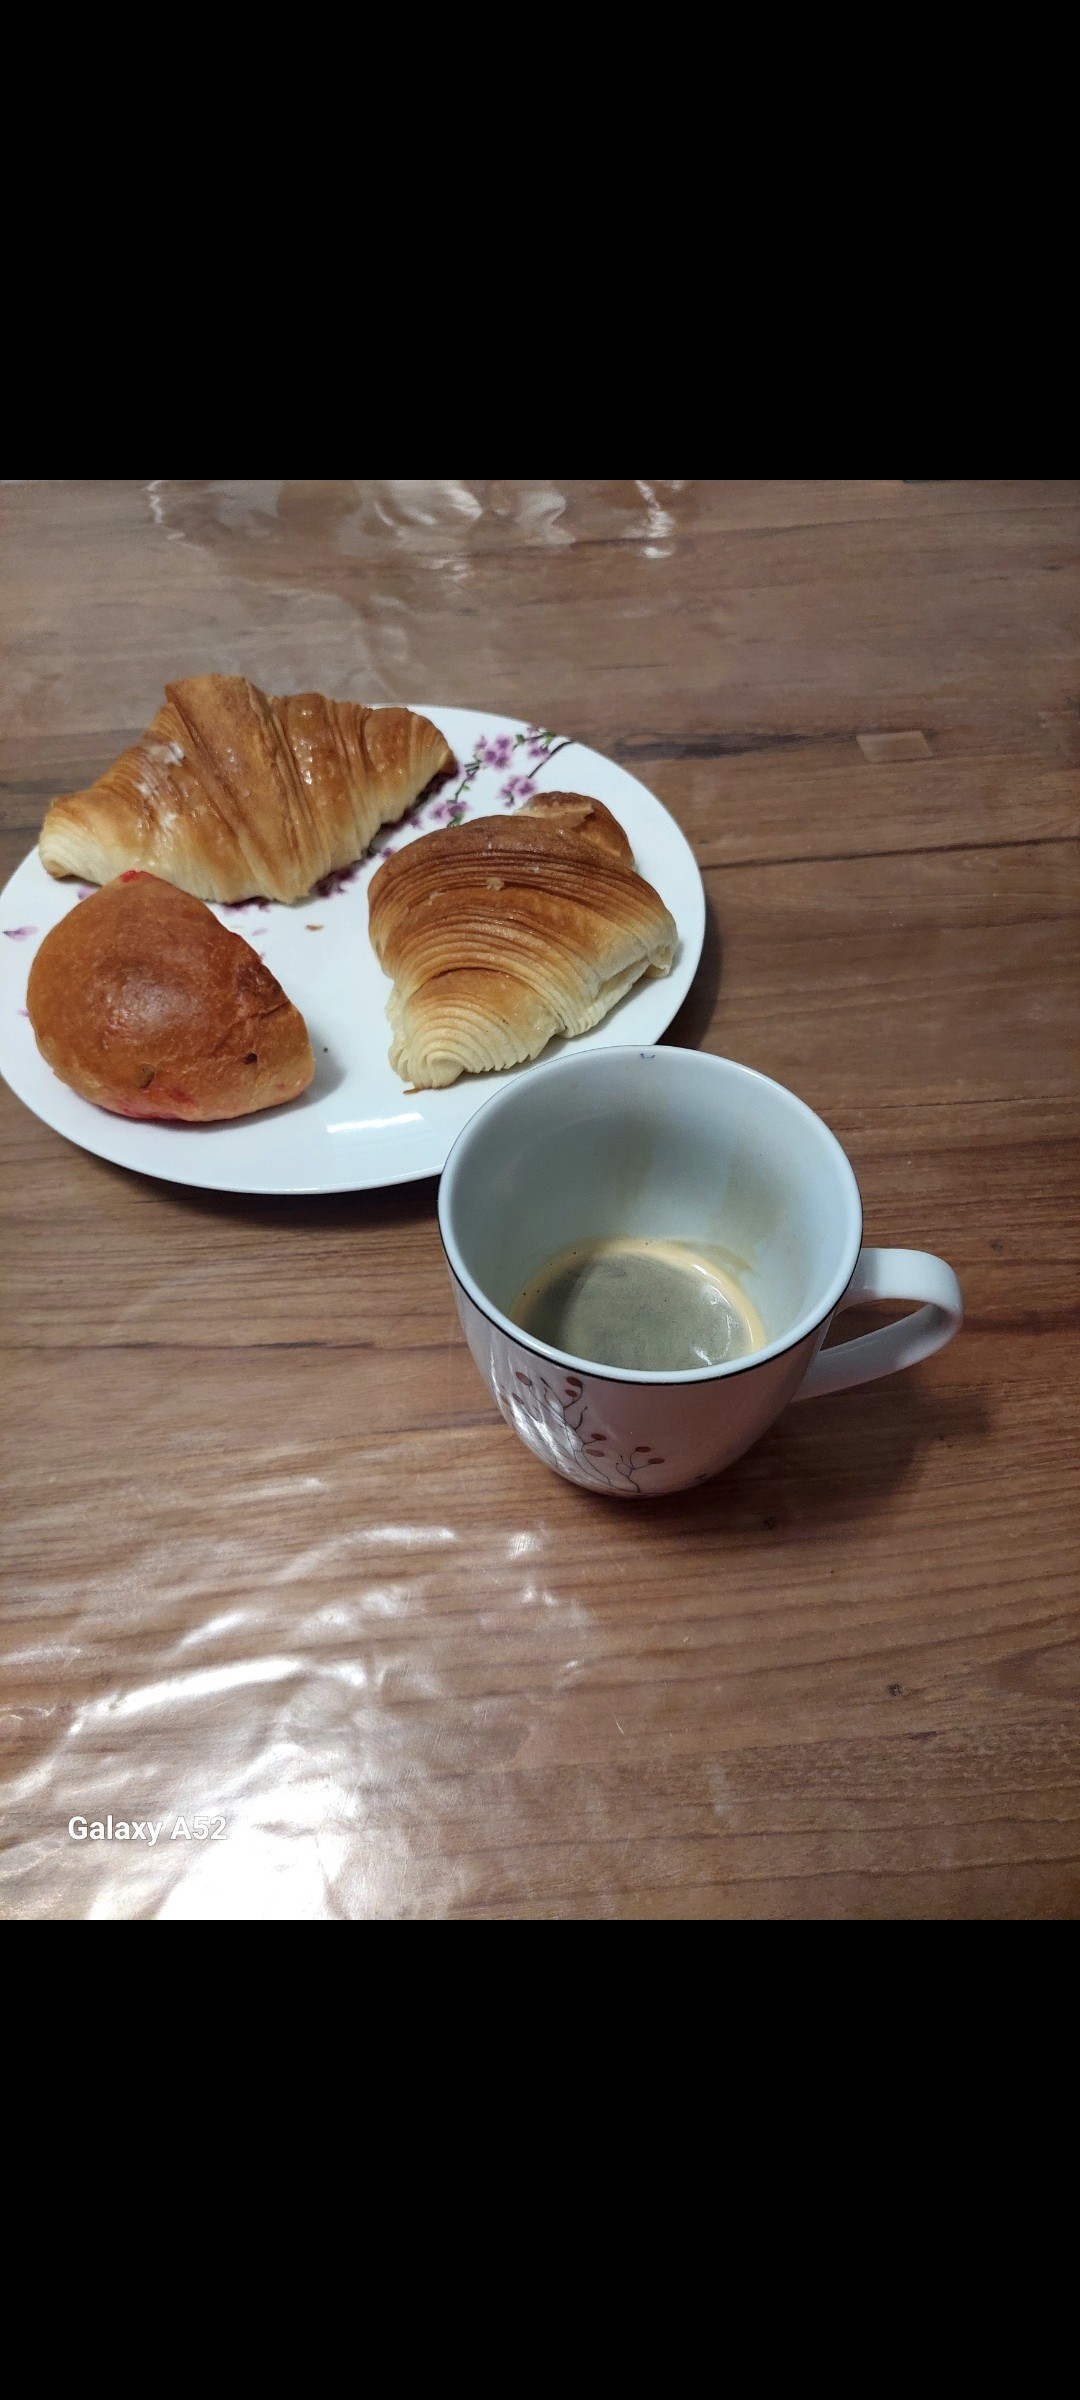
point(593, 1453)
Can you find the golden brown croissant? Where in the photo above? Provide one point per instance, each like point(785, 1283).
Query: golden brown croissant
point(505, 931)
point(145, 1004)
point(232, 794)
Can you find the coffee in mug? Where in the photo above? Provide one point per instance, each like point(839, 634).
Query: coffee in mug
point(640, 1302)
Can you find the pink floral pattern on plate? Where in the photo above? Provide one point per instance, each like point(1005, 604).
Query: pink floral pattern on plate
point(492, 755)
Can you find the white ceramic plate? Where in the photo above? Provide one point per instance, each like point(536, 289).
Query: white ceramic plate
point(356, 1127)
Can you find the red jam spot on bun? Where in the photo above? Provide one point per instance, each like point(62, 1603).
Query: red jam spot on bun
point(132, 874)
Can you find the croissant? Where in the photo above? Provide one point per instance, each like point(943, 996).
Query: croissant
point(232, 794)
point(142, 1002)
point(500, 933)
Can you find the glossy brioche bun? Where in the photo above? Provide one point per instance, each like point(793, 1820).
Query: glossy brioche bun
point(143, 1003)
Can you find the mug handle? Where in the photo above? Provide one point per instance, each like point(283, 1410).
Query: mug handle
point(890, 1275)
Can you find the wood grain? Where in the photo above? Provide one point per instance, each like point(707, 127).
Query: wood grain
point(268, 1549)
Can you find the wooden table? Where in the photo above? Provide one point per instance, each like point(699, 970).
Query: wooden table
point(270, 1554)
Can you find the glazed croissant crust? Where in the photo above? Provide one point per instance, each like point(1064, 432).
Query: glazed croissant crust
point(500, 933)
point(232, 794)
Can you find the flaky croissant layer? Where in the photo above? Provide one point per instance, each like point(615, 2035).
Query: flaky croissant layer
point(232, 794)
point(504, 932)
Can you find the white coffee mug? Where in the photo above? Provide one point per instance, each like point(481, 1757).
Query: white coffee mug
point(679, 1146)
